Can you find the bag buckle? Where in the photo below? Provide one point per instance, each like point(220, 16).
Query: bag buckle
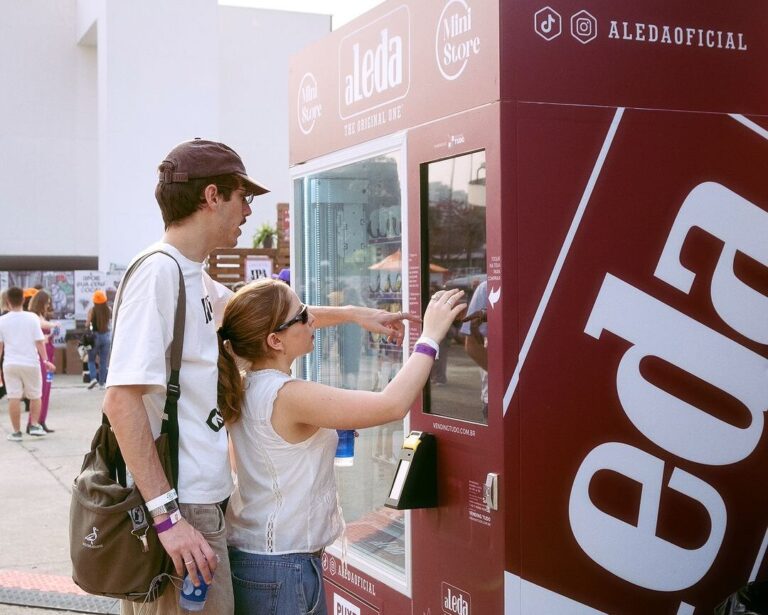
point(173, 390)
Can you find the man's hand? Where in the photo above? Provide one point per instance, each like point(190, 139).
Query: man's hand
point(390, 324)
point(189, 551)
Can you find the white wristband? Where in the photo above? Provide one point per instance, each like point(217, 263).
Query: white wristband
point(161, 499)
point(429, 342)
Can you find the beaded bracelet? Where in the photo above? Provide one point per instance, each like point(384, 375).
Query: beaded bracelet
point(166, 525)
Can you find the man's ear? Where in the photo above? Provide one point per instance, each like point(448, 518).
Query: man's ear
point(211, 195)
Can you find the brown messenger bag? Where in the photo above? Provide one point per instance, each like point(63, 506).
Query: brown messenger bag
point(115, 551)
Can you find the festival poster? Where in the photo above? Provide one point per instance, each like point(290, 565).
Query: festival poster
point(59, 284)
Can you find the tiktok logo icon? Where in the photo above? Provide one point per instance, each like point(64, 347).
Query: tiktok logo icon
point(547, 23)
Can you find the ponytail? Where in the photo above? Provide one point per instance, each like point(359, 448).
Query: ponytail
point(230, 387)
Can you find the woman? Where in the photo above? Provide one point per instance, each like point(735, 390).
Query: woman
point(40, 304)
point(284, 510)
point(99, 319)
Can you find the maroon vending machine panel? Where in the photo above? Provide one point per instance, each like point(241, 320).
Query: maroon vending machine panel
point(640, 392)
point(634, 409)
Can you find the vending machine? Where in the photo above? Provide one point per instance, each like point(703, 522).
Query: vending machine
point(594, 175)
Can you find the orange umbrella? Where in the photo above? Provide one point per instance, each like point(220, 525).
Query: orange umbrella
point(393, 262)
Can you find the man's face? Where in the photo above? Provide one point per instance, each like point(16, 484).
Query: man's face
point(232, 215)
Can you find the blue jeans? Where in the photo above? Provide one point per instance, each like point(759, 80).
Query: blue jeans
point(277, 584)
point(100, 349)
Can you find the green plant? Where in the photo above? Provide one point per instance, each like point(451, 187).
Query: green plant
point(264, 236)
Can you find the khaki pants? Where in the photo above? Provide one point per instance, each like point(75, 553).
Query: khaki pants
point(209, 521)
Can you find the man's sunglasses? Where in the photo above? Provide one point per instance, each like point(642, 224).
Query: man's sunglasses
point(302, 317)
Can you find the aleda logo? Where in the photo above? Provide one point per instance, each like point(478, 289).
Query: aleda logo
point(309, 107)
point(374, 64)
point(455, 41)
point(455, 601)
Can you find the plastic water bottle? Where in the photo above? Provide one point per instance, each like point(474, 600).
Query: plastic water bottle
point(192, 598)
point(49, 376)
point(345, 451)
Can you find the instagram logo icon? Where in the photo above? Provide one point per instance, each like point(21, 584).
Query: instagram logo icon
point(583, 27)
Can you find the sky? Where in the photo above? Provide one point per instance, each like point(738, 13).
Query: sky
point(341, 10)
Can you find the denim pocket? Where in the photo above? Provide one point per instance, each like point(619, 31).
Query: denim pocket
point(252, 597)
point(314, 596)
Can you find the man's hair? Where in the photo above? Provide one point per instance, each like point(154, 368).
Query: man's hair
point(15, 296)
point(180, 200)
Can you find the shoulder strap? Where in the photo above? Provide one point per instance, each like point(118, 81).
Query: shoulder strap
point(170, 424)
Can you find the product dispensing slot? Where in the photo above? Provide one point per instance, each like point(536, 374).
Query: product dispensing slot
point(415, 481)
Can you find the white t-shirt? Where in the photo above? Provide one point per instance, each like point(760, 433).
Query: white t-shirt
point(141, 346)
point(18, 332)
point(285, 500)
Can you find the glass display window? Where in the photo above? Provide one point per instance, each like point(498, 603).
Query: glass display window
point(348, 251)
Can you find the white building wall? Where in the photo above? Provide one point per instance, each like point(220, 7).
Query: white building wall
point(102, 89)
point(48, 159)
point(158, 85)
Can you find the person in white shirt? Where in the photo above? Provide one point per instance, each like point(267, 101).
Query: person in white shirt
point(284, 510)
point(204, 196)
point(23, 343)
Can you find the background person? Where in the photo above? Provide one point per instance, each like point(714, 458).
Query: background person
point(22, 340)
point(284, 510)
point(42, 306)
point(99, 318)
point(475, 342)
point(28, 294)
point(3, 310)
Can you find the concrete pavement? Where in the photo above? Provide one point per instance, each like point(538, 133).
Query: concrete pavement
point(35, 481)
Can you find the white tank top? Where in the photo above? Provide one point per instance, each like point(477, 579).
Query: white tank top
point(285, 500)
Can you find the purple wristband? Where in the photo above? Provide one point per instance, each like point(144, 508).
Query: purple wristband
point(425, 349)
point(166, 525)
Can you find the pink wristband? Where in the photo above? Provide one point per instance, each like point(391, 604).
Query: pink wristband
point(425, 349)
point(166, 525)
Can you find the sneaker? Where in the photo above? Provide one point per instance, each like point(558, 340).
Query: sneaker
point(102, 387)
point(36, 430)
point(14, 437)
point(92, 383)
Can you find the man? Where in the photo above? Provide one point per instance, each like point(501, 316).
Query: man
point(23, 342)
point(204, 196)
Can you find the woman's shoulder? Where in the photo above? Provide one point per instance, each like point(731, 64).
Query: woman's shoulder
point(262, 387)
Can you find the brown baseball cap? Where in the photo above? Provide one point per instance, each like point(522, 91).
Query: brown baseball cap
point(199, 158)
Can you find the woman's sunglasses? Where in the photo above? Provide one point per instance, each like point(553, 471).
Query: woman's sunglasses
point(302, 317)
